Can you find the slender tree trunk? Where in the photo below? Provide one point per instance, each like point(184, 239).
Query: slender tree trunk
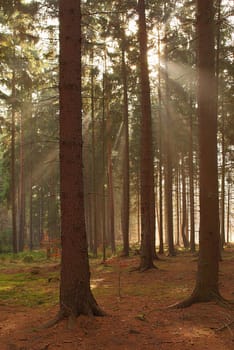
point(31, 186)
point(21, 189)
point(191, 182)
point(184, 205)
point(41, 214)
point(228, 212)
point(30, 213)
point(75, 294)
point(13, 188)
point(138, 208)
point(103, 164)
point(111, 209)
point(178, 206)
point(168, 170)
point(94, 194)
point(125, 203)
point(217, 71)
point(146, 162)
point(161, 247)
point(223, 170)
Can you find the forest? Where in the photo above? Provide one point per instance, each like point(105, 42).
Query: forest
point(116, 174)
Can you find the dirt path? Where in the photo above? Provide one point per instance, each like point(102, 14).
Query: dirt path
point(138, 317)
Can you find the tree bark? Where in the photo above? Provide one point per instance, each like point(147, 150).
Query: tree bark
point(207, 288)
point(94, 194)
point(184, 205)
point(125, 203)
point(75, 293)
point(21, 187)
point(146, 161)
point(168, 170)
point(161, 245)
point(111, 208)
point(191, 183)
point(13, 188)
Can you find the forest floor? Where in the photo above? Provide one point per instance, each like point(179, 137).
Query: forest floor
point(136, 304)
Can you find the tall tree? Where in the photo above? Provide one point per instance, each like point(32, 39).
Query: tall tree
point(146, 162)
point(126, 199)
point(168, 164)
point(207, 288)
point(13, 188)
point(75, 294)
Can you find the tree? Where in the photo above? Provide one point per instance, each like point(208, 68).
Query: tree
point(126, 199)
point(146, 162)
point(75, 294)
point(206, 288)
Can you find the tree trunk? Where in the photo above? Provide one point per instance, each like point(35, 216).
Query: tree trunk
point(146, 162)
point(13, 188)
point(208, 265)
point(184, 205)
point(191, 183)
point(75, 294)
point(178, 206)
point(217, 69)
point(94, 194)
point(111, 209)
point(161, 247)
point(228, 211)
point(207, 288)
point(21, 188)
point(125, 203)
point(30, 212)
point(103, 163)
point(223, 170)
point(168, 170)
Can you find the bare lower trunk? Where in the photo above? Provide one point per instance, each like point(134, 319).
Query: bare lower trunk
point(75, 295)
point(207, 287)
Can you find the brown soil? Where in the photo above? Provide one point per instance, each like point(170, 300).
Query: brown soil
point(137, 310)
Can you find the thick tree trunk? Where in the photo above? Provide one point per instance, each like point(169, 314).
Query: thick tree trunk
point(207, 288)
point(75, 294)
point(208, 265)
point(146, 162)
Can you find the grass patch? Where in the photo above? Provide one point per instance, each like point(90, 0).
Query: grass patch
point(28, 290)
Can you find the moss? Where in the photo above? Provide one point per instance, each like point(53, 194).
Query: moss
point(27, 290)
point(28, 259)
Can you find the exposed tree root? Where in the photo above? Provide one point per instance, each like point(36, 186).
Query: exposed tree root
point(143, 268)
point(89, 309)
point(58, 318)
point(183, 304)
point(197, 297)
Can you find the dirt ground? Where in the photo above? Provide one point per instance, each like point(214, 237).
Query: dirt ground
point(137, 310)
